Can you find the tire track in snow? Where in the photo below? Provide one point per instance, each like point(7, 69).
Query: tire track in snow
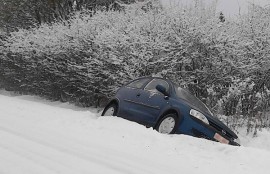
point(44, 154)
point(14, 163)
point(38, 138)
point(67, 149)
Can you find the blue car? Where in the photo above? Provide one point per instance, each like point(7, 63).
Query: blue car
point(168, 108)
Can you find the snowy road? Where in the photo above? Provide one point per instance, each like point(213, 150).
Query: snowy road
point(43, 137)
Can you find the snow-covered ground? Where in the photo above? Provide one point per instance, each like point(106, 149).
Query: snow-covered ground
point(42, 137)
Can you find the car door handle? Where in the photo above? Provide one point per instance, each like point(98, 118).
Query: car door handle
point(138, 95)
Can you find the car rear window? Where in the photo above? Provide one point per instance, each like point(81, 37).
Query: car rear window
point(138, 83)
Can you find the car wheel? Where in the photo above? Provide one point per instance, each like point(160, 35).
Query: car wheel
point(110, 110)
point(167, 125)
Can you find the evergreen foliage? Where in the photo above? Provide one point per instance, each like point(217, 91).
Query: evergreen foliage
point(31, 13)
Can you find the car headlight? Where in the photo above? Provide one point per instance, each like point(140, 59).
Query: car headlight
point(198, 115)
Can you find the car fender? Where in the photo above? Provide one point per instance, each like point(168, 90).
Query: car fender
point(170, 109)
point(115, 99)
point(181, 109)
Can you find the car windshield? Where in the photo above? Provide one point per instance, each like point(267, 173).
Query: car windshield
point(186, 95)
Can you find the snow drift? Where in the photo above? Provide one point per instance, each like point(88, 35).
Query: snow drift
point(38, 136)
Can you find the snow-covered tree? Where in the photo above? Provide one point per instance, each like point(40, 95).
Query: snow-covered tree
point(86, 58)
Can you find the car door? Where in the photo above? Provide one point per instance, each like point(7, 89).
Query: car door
point(150, 102)
point(129, 96)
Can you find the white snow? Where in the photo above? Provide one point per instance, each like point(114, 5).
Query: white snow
point(42, 137)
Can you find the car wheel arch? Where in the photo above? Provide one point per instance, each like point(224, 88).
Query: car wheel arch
point(170, 111)
point(113, 101)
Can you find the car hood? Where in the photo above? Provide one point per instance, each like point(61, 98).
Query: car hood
point(213, 120)
point(197, 104)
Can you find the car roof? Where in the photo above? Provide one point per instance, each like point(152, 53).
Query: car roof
point(151, 78)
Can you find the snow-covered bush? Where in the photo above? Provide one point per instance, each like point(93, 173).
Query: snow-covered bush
point(85, 59)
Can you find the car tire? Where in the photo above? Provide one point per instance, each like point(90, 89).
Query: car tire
point(110, 110)
point(167, 124)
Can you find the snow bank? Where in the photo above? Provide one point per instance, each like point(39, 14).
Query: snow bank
point(260, 141)
point(38, 136)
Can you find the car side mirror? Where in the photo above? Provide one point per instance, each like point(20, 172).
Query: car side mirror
point(162, 89)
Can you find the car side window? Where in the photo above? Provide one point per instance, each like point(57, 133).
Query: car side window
point(151, 86)
point(137, 83)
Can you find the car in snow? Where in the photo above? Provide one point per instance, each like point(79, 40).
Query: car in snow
point(168, 108)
